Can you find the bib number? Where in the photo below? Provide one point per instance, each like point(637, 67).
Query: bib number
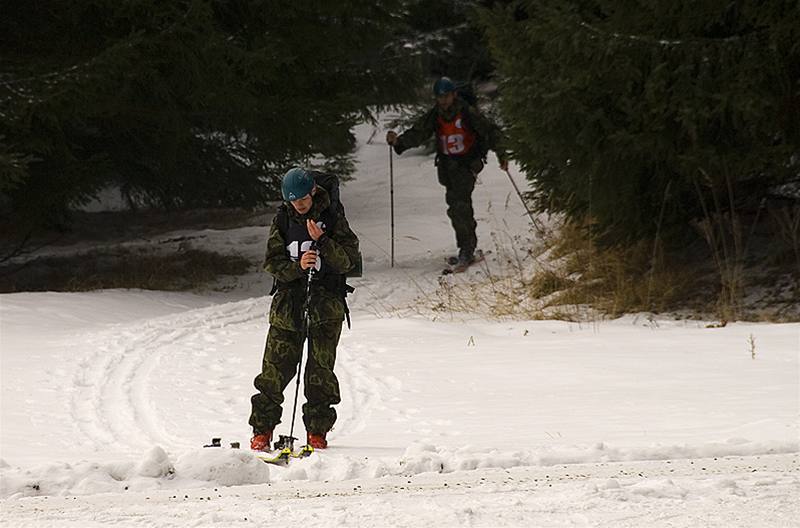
point(453, 144)
point(296, 249)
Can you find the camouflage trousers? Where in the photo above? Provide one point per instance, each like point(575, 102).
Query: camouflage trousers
point(458, 178)
point(281, 355)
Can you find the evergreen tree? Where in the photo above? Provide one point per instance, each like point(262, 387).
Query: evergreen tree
point(631, 112)
point(184, 103)
point(448, 39)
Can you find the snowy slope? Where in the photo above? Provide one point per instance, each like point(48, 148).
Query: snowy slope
point(107, 398)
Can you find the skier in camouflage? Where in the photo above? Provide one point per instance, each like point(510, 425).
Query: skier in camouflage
point(308, 222)
point(463, 137)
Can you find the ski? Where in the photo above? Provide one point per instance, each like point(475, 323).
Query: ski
point(282, 458)
point(480, 256)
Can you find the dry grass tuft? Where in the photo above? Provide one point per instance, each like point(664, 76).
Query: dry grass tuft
point(192, 269)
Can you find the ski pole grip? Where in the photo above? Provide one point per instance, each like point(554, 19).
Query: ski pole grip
point(312, 270)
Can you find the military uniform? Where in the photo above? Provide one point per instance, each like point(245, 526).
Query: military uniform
point(463, 137)
point(338, 251)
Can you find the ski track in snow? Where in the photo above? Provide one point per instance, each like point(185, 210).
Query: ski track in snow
point(112, 390)
point(361, 391)
point(111, 401)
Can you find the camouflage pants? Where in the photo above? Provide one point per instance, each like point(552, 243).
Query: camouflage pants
point(458, 179)
point(279, 367)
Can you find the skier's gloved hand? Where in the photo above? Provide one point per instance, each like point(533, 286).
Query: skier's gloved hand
point(504, 164)
point(308, 260)
point(391, 137)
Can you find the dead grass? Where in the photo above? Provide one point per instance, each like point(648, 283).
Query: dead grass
point(192, 269)
point(619, 280)
point(107, 228)
point(565, 276)
point(130, 252)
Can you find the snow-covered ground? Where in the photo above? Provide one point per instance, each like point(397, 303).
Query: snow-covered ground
point(447, 419)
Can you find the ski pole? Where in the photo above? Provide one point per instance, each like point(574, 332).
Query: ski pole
point(391, 196)
point(525, 205)
point(307, 337)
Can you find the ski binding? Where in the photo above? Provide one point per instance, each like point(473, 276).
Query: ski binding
point(454, 267)
point(284, 447)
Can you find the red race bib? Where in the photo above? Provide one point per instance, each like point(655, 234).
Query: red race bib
point(454, 138)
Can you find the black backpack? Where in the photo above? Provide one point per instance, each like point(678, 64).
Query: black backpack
point(466, 92)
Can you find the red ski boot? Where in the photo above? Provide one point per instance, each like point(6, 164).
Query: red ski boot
point(317, 441)
point(261, 441)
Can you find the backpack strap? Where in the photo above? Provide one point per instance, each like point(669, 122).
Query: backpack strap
point(282, 220)
point(480, 144)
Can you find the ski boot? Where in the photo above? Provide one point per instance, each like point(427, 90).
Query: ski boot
point(317, 441)
point(261, 441)
point(465, 257)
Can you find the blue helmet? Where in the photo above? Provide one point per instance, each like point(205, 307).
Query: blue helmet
point(296, 184)
point(443, 86)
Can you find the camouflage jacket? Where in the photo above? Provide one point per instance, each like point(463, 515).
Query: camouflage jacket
point(338, 247)
point(490, 137)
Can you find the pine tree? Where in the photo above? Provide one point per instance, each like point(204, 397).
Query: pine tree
point(635, 114)
point(184, 103)
point(448, 39)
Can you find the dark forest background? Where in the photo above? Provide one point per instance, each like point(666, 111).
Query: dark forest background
point(671, 127)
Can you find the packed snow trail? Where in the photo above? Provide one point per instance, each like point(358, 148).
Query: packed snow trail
point(117, 391)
